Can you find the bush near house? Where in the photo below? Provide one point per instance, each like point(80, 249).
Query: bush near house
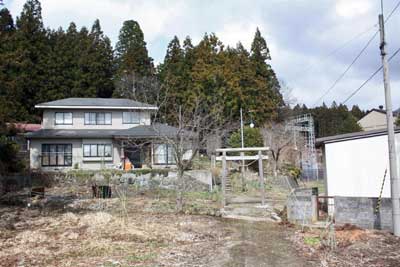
point(9, 162)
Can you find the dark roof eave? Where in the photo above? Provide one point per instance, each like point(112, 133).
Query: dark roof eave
point(352, 136)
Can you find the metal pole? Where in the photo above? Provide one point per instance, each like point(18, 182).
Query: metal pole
point(241, 127)
point(394, 179)
point(242, 153)
point(261, 173)
point(224, 172)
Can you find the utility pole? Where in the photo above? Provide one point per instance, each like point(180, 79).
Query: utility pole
point(394, 176)
point(242, 153)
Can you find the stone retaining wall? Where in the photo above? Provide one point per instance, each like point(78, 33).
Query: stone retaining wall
point(302, 205)
point(360, 211)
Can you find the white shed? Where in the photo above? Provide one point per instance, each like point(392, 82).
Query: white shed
point(355, 163)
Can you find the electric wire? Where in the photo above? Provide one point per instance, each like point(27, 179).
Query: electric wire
point(355, 59)
point(369, 78)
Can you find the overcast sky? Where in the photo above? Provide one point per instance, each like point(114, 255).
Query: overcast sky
point(300, 35)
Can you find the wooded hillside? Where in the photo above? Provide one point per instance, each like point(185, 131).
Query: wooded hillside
point(39, 64)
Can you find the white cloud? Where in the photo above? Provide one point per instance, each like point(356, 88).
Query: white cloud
point(352, 8)
point(233, 32)
point(155, 17)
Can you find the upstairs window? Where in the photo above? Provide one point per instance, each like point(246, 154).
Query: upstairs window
point(63, 118)
point(97, 150)
point(130, 117)
point(98, 118)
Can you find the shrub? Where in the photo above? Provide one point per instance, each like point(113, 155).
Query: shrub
point(252, 138)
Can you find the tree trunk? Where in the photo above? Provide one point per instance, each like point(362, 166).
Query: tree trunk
point(180, 191)
point(275, 169)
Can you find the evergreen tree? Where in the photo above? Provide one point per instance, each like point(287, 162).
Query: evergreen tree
point(131, 51)
point(6, 23)
point(171, 72)
point(32, 48)
point(101, 62)
point(357, 112)
point(260, 52)
point(10, 106)
point(267, 82)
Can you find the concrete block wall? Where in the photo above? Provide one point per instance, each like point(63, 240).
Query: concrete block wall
point(302, 205)
point(360, 211)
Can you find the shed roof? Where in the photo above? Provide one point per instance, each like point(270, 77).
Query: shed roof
point(95, 102)
point(352, 136)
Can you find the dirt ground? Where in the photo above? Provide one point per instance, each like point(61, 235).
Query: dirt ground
point(69, 228)
point(70, 231)
point(354, 247)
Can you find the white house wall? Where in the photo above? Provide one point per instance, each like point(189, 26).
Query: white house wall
point(373, 120)
point(356, 167)
point(77, 154)
point(78, 119)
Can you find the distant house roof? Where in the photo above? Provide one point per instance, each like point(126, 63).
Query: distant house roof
point(142, 131)
point(352, 136)
point(25, 127)
point(383, 111)
point(90, 103)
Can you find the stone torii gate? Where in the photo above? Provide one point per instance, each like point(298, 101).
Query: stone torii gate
point(260, 157)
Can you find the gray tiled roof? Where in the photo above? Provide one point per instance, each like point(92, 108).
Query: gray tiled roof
point(142, 131)
point(57, 133)
point(156, 130)
point(96, 102)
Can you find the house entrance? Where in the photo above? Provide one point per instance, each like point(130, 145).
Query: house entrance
point(135, 156)
point(138, 155)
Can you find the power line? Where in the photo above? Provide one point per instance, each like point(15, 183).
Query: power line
point(391, 12)
point(347, 69)
point(370, 78)
point(338, 49)
point(355, 59)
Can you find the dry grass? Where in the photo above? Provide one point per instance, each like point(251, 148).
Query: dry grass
point(355, 247)
point(91, 232)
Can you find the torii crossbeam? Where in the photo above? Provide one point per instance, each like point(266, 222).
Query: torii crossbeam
point(225, 158)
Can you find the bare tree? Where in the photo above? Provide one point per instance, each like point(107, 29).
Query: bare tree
point(188, 128)
point(279, 137)
point(194, 124)
point(287, 94)
point(145, 89)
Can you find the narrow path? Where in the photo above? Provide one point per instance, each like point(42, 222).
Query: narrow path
point(257, 244)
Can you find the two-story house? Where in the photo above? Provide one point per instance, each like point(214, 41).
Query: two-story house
point(95, 133)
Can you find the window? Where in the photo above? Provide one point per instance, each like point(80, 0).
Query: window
point(163, 154)
point(97, 150)
point(98, 118)
point(56, 154)
point(63, 118)
point(131, 117)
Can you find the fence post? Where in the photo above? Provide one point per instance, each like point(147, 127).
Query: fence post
point(261, 173)
point(223, 178)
